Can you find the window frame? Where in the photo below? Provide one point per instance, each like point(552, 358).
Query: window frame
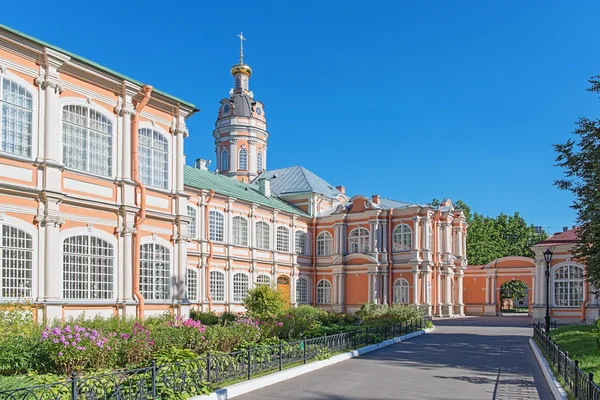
point(259, 161)
point(325, 239)
point(33, 136)
point(167, 273)
point(300, 242)
point(238, 297)
point(216, 287)
point(243, 152)
point(306, 290)
point(224, 160)
point(193, 225)
point(240, 231)
point(402, 231)
point(22, 252)
point(363, 248)
point(282, 237)
point(194, 285)
point(74, 101)
point(167, 140)
point(570, 282)
point(263, 275)
point(403, 286)
point(213, 227)
point(265, 238)
point(324, 290)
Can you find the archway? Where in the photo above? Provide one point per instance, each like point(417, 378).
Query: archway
point(514, 297)
point(283, 285)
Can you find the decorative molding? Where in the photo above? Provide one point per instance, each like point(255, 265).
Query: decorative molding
point(52, 220)
point(48, 82)
point(2, 69)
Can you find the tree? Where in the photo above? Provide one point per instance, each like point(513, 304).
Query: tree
point(513, 290)
point(580, 157)
point(264, 302)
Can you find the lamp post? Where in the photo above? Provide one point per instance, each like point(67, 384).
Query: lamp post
point(548, 258)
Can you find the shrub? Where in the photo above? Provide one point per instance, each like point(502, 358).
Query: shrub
point(227, 318)
point(207, 318)
point(264, 302)
point(382, 313)
point(299, 320)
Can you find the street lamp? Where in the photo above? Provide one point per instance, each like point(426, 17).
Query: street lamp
point(548, 258)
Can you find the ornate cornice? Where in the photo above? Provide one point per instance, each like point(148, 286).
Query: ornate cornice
point(49, 220)
point(49, 82)
point(123, 111)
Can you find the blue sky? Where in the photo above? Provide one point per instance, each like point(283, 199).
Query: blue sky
point(409, 100)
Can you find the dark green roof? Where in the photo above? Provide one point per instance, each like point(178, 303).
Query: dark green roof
point(86, 61)
point(224, 185)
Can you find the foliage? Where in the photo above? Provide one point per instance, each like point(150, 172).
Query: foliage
point(580, 158)
point(428, 324)
point(19, 339)
point(581, 341)
point(207, 318)
point(264, 302)
point(513, 290)
point(227, 318)
point(382, 313)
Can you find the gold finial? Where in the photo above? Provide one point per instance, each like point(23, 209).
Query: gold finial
point(242, 38)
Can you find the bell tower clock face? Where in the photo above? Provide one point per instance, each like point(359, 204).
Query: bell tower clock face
point(226, 109)
point(258, 110)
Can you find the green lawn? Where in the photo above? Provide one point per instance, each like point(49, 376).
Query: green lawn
point(581, 341)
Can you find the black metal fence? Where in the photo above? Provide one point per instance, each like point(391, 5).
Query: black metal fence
point(580, 384)
point(193, 377)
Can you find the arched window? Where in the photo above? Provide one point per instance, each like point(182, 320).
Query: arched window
point(359, 241)
point(16, 114)
point(16, 248)
point(262, 235)
point(300, 237)
point(259, 161)
point(402, 238)
point(224, 160)
point(243, 159)
point(192, 226)
point(263, 279)
point(88, 268)
point(155, 272)
point(240, 231)
point(324, 242)
point(215, 226)
point(301, 290)
point(401, 291)
point(240, 287)
point(323, 292)
point(192, 284)
point(87, 137)
point(154, 158)
point(217, 286)
point(568, 286)
point(283, 239)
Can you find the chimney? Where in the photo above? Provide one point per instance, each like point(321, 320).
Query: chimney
point(376, 199)
point(341, 189)
point(264, 187)
point(201, 163)
point(565, 228)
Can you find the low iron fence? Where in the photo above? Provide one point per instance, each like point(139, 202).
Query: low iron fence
point(193, 377)
point(580, 383)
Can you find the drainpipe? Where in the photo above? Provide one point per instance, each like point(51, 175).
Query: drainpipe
point(390, 262)
point(210, 247)
point(314, 261)
point(140, 216)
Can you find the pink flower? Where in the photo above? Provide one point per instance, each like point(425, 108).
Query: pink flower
point(60, 354)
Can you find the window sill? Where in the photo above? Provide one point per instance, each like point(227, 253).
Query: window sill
point(17, 157)
point(111, 179)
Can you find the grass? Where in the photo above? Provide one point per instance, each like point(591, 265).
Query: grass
point(581, 341)
point(15, 382)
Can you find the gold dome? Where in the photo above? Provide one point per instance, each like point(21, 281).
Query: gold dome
point(241, 69)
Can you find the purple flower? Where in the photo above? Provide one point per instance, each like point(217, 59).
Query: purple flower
point(62, 339)
point(73, 344)
point(60, 354)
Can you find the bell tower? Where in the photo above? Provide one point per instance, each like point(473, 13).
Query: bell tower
point(241, 129)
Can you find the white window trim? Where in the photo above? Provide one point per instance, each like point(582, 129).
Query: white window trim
point(269, 247)
point(170, 154)
point(277, 239)
point(231, 285)
point(67, 233)
point(330, 240)
point(412, 238)
point(36, 145)
point(31, 230)
point(194, 222)
point(405, 284)
point(117, 135)
point(552, 280)
point(262, 283)
point(195, 271)
point(223, 234)
point(360, 237)
point(303, 253)
point(165, 243)
point(224, 275)
point(308, 289)
point(330, 287)
point(221, 158)
point(239, 158)
point(248, 227)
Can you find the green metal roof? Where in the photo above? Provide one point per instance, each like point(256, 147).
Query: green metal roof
point(86, 61)
point(224, 185)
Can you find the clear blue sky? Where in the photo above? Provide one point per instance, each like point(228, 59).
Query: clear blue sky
point(409, 100)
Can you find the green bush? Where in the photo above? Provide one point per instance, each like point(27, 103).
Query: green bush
point(227, 318)
point(383, 314)
point(264, 302)
point(207, 318)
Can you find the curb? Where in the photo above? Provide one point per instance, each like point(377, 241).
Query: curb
point(555, 387)
point(254, 384)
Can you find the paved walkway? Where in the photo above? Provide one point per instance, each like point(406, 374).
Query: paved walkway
point(466, 358)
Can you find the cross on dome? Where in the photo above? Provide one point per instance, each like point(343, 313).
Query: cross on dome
point(242, 38)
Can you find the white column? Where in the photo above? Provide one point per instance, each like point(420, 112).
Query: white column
point(370, 287)
point(375, 286)
point(52, 258)
point(416, 245)
point(52, 126)
point(265, 158)
point(425, 242)
point(415, 284)
point(126, 112)
point(493, 291)
point(343, 239)
point(182, 269)
point(438, 287)
point(233, 155)
point(252, 168)
point(342, 283)
point(487, 290)
point(460, 287)
point(127, 264)
point(449, 287)
point(384, 229)
point(180, 162)
point(532, 291)
point(385, 289)
point(424, 283)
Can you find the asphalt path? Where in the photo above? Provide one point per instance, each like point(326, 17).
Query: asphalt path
point(464, 358)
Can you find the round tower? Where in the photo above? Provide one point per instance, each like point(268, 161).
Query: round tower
point(241, 128)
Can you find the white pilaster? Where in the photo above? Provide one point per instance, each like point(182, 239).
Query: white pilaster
point(233, 155)
point(460, 293)
point(385, 290)
point(252, 167)
point(370, 287)
point(415, 272)
point(416, 221)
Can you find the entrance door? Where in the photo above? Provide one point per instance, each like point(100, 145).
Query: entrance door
point(283, 285)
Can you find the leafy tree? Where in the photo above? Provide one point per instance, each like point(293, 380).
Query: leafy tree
point(264, 302)
point(513, 290)
point(580, 157)
point(489, 238)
